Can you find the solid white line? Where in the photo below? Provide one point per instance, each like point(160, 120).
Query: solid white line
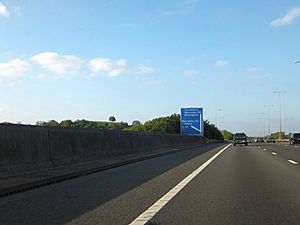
point(274, 153)
point(293, 162)
point(152, 210)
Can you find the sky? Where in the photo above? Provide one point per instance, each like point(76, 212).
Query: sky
point(142, 59)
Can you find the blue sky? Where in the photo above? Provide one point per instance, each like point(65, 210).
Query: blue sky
point(138, 59)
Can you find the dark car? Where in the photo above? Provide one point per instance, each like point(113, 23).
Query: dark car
point(295, 139)
point(240, 138)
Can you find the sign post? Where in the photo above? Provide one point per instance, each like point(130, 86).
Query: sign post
point(191, 121)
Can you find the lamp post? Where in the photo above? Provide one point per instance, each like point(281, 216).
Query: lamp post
point(268, 113)
point(279, 97)
point(263, 116)
point(260, 130)
point(221, 121)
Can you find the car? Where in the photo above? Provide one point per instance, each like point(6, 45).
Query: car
point(295, 139)
point(270, 140)
point(240, 138)
point(260, 139)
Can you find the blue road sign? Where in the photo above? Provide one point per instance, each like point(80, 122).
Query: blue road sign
point(191, 121)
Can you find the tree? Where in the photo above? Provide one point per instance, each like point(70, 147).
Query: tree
point(112, 119)
point(136, 128)
point(211, 131)
point(66, 123)
point(169, 124)
point(40, 123)
point(283, 135)
point(227, 135)
point(136, 123)
point(81, 123)
point(52, 123)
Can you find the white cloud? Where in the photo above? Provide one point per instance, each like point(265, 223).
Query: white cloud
point(105, 65)
point(116, 68)
point(288, 18)
point(222, 63)
point(142, 70)
point(3, 10)
point(13, 68)
point(59, 64)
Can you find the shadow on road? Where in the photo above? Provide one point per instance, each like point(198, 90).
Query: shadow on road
point(66, 201)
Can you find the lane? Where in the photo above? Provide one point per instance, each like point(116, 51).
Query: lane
point(115, 196)
point(245, 186)
point(159, 204)
point(286, 151)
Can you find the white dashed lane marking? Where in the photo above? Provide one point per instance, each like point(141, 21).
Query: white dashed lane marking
point(293, 162)
point(274, 153)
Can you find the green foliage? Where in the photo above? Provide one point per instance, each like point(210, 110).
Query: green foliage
point(66, 123)
point(112, 119)
point(116, 126)
point(136, 128)
point(227, 135)
point(84, 124)
point(283, 135)
point(52, 123)
point(169, 124)
point(136, 123)
point(211, 131)
point(40, 123)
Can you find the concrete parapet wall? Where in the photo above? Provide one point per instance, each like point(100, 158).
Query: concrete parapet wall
point(24, 147)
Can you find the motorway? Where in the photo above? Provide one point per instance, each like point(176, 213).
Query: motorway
point(257, 184)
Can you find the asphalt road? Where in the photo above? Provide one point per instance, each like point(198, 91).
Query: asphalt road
point(255, 184)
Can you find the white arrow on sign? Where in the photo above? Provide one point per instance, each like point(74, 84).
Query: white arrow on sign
point(195, 128)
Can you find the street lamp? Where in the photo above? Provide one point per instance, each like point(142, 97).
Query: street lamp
point(260, 130)
point(262, 127)
point(279, 97)
point(268, 108)
point(264, 123)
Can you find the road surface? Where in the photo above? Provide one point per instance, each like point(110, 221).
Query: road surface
point(255, 184)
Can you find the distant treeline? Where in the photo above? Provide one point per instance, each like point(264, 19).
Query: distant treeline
point(283, 135)
point(169, 124)
point(84, 124)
